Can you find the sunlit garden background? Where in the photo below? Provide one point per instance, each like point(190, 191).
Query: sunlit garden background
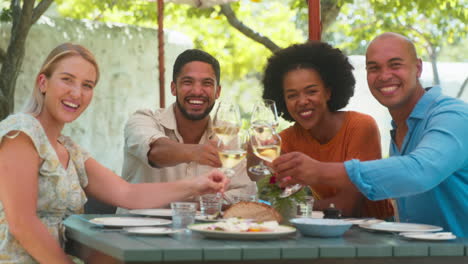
point(439, 29)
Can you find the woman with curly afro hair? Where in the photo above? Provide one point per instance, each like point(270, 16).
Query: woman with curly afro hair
point(310, 83)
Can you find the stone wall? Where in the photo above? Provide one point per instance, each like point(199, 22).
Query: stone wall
point(128, 62)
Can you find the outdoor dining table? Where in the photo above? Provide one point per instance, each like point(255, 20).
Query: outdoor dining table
point(355, 246)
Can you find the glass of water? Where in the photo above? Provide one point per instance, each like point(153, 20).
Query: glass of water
point(210, 205)
point(183, 214)
point(305, 208)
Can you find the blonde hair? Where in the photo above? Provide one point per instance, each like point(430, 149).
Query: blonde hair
point(62, 51)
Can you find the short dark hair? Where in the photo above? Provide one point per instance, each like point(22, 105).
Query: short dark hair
point(331, 64)
point(195, 55)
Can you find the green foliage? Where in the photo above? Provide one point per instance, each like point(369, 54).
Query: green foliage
point(431, 24)
point(457, 52)
point(138, 12)
point(6, 15)
point(209, 30)
point(269, 191)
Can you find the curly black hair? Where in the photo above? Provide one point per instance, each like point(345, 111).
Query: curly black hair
point(332, 65)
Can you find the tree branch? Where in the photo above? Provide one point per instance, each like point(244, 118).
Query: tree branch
point(2, 55)
point(227, 11)
point(101, 14)
point(329, 12)
point(40, 9)
point(15, 8)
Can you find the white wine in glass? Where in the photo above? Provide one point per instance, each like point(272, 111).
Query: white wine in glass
point(264, 113)
point(230, 158)
point(265, 142)
point(232, 152)
point(266, 145)
point(267, 153)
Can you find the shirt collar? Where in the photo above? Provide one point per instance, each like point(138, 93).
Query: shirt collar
point(168, 120)
point(421, 107)
point(425, 102)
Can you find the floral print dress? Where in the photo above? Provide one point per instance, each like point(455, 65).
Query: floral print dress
point(60, 190)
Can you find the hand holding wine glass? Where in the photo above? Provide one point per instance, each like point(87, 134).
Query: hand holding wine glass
point(266, 144)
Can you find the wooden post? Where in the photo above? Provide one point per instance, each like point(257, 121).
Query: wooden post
point(161, 53)
point(315, 24)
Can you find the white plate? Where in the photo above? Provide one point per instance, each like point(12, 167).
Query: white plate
point(161, 212)
point(360, 221)
point(429, 236)
point(400, 227)
point(152, 212)
point(154, 231)
point(129, 221)
point(279, 232)
point(203, 218)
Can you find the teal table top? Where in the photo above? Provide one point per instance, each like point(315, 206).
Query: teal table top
point(353, 245)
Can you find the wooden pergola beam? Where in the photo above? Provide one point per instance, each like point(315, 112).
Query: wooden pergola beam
point(162, 94)
point(315, 24)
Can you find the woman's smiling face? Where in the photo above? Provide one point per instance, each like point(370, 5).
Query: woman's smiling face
point(306, 96)
point(69, 89)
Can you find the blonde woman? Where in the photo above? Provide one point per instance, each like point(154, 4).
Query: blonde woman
point(45, 176)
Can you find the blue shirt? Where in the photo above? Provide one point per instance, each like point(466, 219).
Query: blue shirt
point(429, 175)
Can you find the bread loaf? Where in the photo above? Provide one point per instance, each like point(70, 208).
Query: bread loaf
point(252, 210)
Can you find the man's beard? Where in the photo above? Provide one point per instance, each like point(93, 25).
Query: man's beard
point(193, 117)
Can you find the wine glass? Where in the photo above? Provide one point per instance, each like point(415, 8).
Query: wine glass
point(232, 151)
point(227, 121)
point(264, 114)
point(265, 142)
point(266, 145)
point(290, 190)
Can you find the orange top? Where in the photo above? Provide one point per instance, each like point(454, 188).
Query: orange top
point(358, 138)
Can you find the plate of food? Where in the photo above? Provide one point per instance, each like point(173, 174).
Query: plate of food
point(361, 221)
point(158, 212)
point(129, 221)
point(208, 218)
point(150, 231)
point(400, 227)
point(437, 236)
point(238, 228)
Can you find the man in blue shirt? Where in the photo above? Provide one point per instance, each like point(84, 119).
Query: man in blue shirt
point(427, 172)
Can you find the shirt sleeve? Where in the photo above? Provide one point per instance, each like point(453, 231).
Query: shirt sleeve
point(442, 150)
point(140, 131)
